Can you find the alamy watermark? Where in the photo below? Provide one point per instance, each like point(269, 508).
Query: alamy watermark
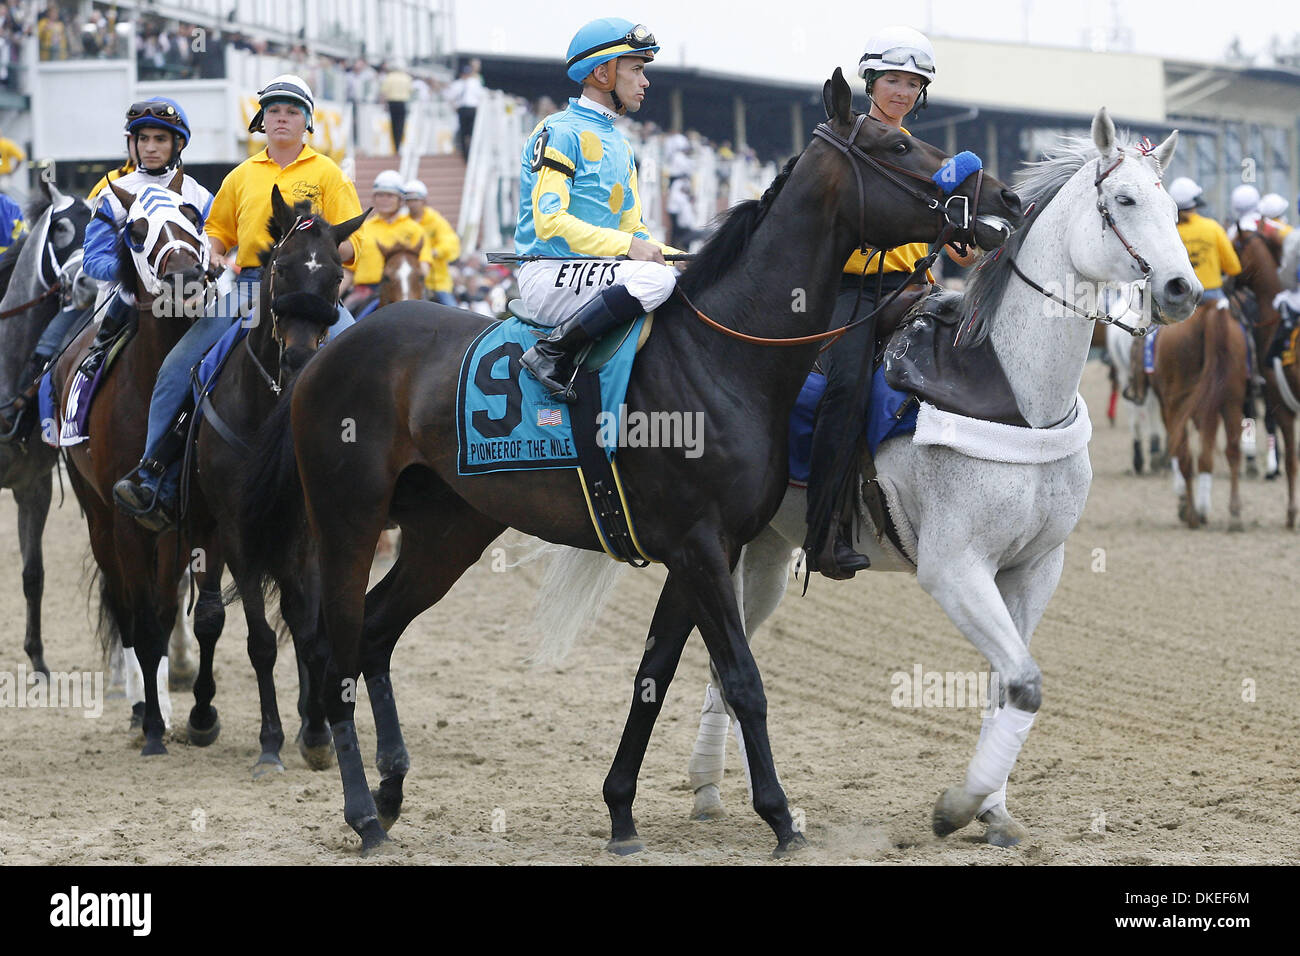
point(923, 688)
point(74, 690)
point(642, 429)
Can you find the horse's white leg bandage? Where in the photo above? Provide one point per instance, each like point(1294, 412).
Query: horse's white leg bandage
point(998, 796)
point(997, 750)
point(134, 677)
point(1180, 483)
point(1203, 483)
point(708, 759)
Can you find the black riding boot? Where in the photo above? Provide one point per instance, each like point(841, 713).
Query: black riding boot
point(115, 317)
point(551, 360)
point(149, 493)
point(835, 558)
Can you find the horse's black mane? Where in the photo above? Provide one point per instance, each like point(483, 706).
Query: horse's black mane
point(40, 202)
point(731, 236)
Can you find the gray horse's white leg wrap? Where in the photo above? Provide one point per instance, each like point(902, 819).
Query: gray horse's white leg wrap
point(998, 748)
point(708, 758)
point(998, 796)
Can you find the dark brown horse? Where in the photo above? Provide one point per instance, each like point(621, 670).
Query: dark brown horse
point(1260, 256)
point(299, 293)
point(139, 571)
point(394, 377)
point(1200, 379)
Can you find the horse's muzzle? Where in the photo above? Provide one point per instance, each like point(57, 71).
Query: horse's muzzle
point(306, 305)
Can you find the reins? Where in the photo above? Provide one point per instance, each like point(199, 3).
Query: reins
point(1105, 318)
point(952, 231)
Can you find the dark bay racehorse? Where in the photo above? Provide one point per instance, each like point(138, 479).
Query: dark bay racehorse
point(394, 376)
point(1260, 257)
point(58, 229)
point(299, 291)
point(139, 571)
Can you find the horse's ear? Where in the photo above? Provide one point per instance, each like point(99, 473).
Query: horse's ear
point(280, 210)
point(1165, 151)
point(1103, 132)
point(177, 180)
point(837, 97)
point(124, 197)
point(345, 229)
point(384, 251)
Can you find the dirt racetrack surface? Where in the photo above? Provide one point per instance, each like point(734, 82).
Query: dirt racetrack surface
point(1171, 705)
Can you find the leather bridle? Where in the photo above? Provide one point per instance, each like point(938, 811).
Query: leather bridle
point(1105, 318)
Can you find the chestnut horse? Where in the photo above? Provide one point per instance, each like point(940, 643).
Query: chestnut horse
point(1260, 256)
point(395, 376)
point(1200, 379)
point(139, 570)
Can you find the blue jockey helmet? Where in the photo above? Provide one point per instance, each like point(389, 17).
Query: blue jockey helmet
point(161, 113)
point(607, 39)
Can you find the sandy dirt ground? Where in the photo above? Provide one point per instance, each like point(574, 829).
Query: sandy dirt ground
point(1171, 704)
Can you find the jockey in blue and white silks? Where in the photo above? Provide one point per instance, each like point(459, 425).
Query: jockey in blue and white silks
point(157, 132)
point(578, 197)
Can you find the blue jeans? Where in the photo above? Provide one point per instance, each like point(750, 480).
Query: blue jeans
point(1212, 295)
point(173, 386)
point(445, 298)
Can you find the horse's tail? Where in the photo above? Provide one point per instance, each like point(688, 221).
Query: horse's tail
point(1211, 390)
point(106, 626)
point(575, 587)
point(271, 513)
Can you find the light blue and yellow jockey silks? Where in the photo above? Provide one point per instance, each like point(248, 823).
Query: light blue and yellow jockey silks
point(577, 188)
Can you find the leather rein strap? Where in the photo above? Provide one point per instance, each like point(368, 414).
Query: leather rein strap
point(1107, 219)
point(963, 232)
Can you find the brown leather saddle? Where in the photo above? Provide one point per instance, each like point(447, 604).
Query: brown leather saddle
point(921, 358)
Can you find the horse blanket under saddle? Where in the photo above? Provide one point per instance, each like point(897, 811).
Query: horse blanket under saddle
point(209, 368)
point(506, 420)
point(63, 428)
point(887, 418)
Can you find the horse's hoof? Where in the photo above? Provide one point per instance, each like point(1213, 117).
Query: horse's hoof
point(952, 811)
point(153, 747)
point(201, 737)
point(791, 846)
point(1235, 524)
point(373, 837)
point(388, 808)
point(1003, 829)
point(625, 847)
point(181, 681)
point(267, 766)
point(317, 756)
point(708, 804)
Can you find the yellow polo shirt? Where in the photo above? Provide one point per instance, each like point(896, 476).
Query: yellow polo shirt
point(1209, 250)
point(368, 265)
point(898, 259)
point(242, 206)
point(445, 246)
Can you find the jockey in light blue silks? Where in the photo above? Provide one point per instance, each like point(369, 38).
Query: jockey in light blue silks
point(157, 131)
point(578, 196)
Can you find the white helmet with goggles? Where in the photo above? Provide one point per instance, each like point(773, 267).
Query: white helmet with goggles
point(1245, 199)
point(415, 190)
point(285, 88)
point(389, 181)
point(898, 48)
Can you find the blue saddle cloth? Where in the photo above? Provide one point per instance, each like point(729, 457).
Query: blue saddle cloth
point(210, 365)
point(881, 425)
point(506, 420)
point(45, 408)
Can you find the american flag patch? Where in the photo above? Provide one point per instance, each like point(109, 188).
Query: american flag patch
point(549, 416)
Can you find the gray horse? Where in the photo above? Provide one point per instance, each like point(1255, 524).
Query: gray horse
point(51, 247)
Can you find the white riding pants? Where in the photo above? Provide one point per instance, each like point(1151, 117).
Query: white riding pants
point(553, 291)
